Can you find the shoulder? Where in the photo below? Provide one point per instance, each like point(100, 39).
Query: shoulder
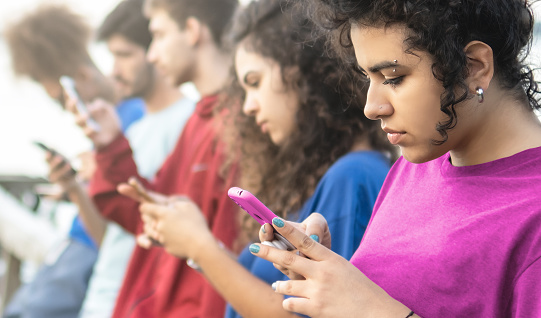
point(358, 165)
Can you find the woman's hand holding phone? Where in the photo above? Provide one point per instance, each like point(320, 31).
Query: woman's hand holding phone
point(326, 284)
point(315, 226)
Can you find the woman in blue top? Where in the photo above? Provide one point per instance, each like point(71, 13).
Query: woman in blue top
point(306, 147)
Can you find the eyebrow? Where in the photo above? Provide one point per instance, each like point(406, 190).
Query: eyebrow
point(382, 65)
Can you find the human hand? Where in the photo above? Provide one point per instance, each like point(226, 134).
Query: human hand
point(60, 171)
point(179, 226)
point(135, 190)
point(314, 226)
point(103, 114)
point(331, 285)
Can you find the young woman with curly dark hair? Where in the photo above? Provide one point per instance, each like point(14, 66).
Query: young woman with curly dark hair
point(456, 229)
point(306, 146)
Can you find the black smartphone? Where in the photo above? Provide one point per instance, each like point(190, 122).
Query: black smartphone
point(54, 153)
point(44, 147)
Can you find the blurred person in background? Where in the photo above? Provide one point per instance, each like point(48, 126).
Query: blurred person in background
point(46, 44)
point(125, 30)
point(186, 47)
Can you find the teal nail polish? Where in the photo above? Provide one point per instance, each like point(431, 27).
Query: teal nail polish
point(278, 222)
point(263, 229)
point(254, 248)
point(314, 237)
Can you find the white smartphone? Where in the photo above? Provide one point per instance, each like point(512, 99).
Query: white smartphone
point(68, 84)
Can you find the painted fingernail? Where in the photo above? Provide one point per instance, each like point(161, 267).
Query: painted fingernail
point(274, 286)
point(263, 229)
point(315, 237)
point(278, 222)
point(254, 248)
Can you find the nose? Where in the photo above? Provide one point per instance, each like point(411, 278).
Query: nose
point(151, 54)
point(250, 106)
point(377, 105)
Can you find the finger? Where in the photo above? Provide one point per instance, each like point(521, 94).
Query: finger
point(303, 306)
point(153, 210)
point(285, 259)
point(144, 241)
point(66, 173)
point(141, 190)
point(266, 233)
point(296, 288)
point(127, 190)
point(56, 163)
point(317, 229)
point(304, 244)
point(88, 131)
point(81, 120)
point(147, 218)
point(282, 269)
point(70, 103)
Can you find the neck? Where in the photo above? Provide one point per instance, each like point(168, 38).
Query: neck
point(161, 96)
point(361, 143)
point(506, 127)
point(211, 70)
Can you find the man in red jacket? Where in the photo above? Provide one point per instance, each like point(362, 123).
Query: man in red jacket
point(186, 47)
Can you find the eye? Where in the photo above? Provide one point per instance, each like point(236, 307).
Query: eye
point(394, 82)
point(251, 80)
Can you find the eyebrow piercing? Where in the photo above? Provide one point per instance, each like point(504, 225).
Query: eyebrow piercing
point(394, 69)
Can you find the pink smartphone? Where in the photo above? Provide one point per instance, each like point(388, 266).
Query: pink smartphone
point(249, 203)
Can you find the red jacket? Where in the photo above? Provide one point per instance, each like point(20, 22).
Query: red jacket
point(158, 284)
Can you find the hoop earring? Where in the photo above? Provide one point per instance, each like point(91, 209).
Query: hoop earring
point(480, 95)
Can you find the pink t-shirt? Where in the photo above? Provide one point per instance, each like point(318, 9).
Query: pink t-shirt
point(459, 241)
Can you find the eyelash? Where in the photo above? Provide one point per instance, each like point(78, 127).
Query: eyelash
point(394, 82)
point(253, 84)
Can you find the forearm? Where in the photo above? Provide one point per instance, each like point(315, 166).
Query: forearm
point(94, 223)
point(249, 296)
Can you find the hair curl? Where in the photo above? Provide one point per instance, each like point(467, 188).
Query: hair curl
point(330, 118)
point(443, 28)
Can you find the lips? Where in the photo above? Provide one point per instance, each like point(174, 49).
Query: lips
point(394, 136)
point(263, 125)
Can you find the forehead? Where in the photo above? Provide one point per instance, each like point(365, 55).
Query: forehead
point(247, 60)
point(119, 42)
point(160, 20)
point(375, 44)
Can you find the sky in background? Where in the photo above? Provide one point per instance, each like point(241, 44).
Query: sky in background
point(26, 112)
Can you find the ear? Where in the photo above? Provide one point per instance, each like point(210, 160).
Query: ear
point(480, 65)
point(194, 31)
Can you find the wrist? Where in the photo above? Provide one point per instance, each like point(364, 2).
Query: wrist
point(206, 245)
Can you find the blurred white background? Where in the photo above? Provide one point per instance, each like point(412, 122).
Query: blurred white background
point(27, 114)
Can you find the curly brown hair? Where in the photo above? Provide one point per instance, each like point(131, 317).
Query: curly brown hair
point(330, 118)
point(443, 28)
point(49, 42)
